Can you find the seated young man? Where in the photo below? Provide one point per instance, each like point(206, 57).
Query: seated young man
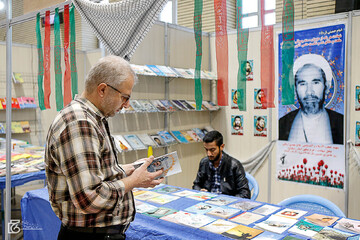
point(219, 172)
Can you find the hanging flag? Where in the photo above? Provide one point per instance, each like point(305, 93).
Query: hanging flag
point(74, 76)
point(198, 39)
point(242, 45)
point(221, 51)
point(267, 62)
point(40, 64)
point(47, 88)
point(57, 62)
point(67, 74)
point(287, 54)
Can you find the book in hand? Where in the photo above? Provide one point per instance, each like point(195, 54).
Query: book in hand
point(219, 226)
point(242, 232)
point(321, 220)
point(169, 163)
point(305, 228)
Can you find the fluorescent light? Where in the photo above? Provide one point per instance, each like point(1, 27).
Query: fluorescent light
point(2, 5)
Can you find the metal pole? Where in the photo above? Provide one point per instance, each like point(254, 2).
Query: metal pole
point(348, 110)
point(269, 158)
point(8, 118)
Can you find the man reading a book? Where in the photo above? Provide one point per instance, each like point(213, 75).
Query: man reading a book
point(89, 190)
point(219, 172)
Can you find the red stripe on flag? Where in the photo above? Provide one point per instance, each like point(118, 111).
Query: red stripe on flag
point(47, 88)
point(67, 74)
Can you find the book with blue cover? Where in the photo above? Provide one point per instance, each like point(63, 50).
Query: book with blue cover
point(181, 138)
point(134, 142)
point(167, 137)
point(201, 208)
point(156, 70)
point(199, 132)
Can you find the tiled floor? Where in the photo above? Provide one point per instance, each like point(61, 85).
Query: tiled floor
point(19, 193)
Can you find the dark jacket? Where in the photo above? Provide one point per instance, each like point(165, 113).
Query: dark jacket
point(336, 124)
point(233, 180)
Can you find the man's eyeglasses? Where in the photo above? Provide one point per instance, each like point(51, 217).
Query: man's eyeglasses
point(125, 97)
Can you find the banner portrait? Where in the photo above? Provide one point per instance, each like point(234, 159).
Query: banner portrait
point(311, 131)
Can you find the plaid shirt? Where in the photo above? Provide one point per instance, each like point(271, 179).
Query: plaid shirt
point(84, 178)
point(215, 180)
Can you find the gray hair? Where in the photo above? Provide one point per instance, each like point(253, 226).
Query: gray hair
point(112, 70)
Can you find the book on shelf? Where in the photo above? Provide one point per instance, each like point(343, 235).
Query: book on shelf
point(179, 137)
point(156, 70)
point(291, 213)
point(210, 75)
point(246, 218)
point(219, 226)
point(200, 208)
point(178, 74)
point(167, 189)
point(187, 105)
point(121, 144)
point(305, 228)
point(223, 212)
point(159, 212)
point(199, 132)
point(2, 128)
point(168, 138)
point(167, 71)
point(16, 127)
point(3, 103)
point(348, 225)
point(211, 106)
point(25, 125)
point(163, 199)
point(266, 209)
point(146, 140)
point(331, 233)
point(276, 224)
point(137, 106)
point(158, 140)
point(184, 73)
point(147, 106)
point(134, 142)
point(17, 78)
point(187, 136)
point(142, 70)
point(193, 104)
point(15, 103)
point(245, 205)
point(129, 109)
point(158, 105)
point(242, 232)
point(321, 220)
point(168, 105)
point(178, 105)
point(194, 136)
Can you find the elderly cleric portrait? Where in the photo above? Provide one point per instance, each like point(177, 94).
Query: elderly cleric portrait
point(312, 122)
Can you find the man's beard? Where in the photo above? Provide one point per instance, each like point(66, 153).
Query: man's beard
point(216, 157)
point(312, 104)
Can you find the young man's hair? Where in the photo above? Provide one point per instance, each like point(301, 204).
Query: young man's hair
point(214, 136)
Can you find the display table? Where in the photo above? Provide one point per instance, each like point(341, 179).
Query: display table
point(37, 213)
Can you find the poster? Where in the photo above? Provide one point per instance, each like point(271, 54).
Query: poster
point(357, 134)
point(237, 125)
point(311, 131)
point(249, 70)
point(260, 126)
point(259, 94)
point(357, 98)
point(234, 104)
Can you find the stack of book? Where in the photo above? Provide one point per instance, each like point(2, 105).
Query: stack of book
point(16, 127)
point(19, 103)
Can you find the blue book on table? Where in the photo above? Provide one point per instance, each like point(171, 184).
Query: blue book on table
point(156, 70)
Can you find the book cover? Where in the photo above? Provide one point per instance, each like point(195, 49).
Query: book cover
point(146, 104)
point(16, 127)
point(193, 104)
point(246, 218)
point(2, 128)
point(357, 98)
point(187, 136)
point(158, 105)
point(167, 71)
point(260, 126)
point(194, 136)
point(169, 163)
point(164, 198)
point(219, 226)
point(242, 232)
point(158, 140)
point(291, 213)
point(168, 139)
point(348, 225)
point(214, 106)
point(276, 224)
point(245, 205)
point(187, 105)
point(156, 70)
point(167, 104)
point(134, 142)
point(146, 140)
point(146, 195)
point(269, 236)
point(223, 212)
point(3, 103)
point(179, 137)
point(305, 228)
point(266, 209)
point(121, 144)
point(178, 105)
point(195, 220)
point(202, 196)
point(142, 70)
point(198, 132)
point(184, 73)
point(129, 109)
point(137, 106)
point(259, 95)
point(321, 220)
point(222, 200)
point(174, 217)
point(166, 189)
point(178, 74)
point(15, 103)
point(331, 233)
point(183, 193)
point(25, 125)
point(144, 207)
point(237, 125)
point(210, 106)
point(291, 238)
point(29, 102)
point(200, 208)
point(159, 212)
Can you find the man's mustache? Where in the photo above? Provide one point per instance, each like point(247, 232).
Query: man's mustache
point(311, 98)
